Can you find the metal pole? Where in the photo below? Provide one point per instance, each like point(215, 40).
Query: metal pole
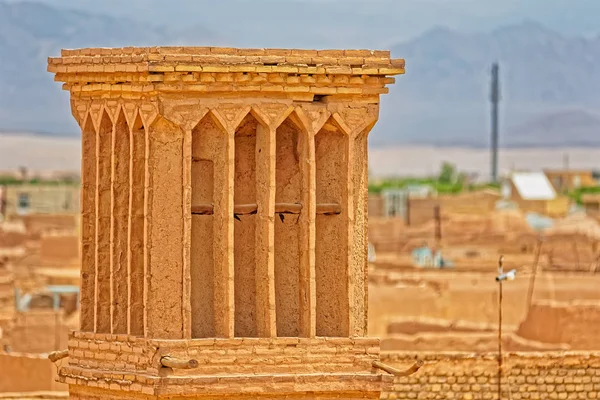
point(438, 224)
point(495, 99)
point(500, 271)
point(534, 272)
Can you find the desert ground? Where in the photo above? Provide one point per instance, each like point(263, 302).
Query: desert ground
point(64, 153)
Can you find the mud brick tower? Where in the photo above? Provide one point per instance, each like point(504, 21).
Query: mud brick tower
point(224, 222)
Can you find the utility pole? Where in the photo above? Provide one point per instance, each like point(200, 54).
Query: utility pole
point(495, 99)
point(502, 276)
point(438, 224)
point(500, 272)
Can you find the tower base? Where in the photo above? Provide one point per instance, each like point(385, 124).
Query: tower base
point(104, 366)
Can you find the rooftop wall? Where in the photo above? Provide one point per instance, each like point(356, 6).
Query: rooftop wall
point(571, 375)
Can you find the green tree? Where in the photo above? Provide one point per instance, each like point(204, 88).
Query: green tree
point(447, 173)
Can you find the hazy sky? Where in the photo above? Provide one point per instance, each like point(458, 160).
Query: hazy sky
point(343, 23)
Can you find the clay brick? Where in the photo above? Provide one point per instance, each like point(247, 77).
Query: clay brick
point(223, 50)
point(242, 68)
point(381, 53)
point(188, 67)
point(286, 68)
point(251, 52)
point(160, 68)
point(391, 71)
point(215, 68)
point(344, 90)
point(341, 69)
point(271, 59)
point(324, 60)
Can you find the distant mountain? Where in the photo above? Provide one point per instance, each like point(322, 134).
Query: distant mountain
point(546, 79)
point(550, 82)
point(30, 32)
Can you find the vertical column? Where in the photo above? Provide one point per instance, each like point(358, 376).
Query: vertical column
point(245, 225)
point(165, 231)
point(186, 254)
point(307, 229)
point(120, 226)
point(224, 245)
point(265, 231)
point(103, 225)
point(137, 221)
point(88, 226)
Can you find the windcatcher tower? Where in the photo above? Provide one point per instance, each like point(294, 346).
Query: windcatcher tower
point(224, 222)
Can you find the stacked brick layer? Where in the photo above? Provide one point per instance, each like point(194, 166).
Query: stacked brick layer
point(143, 72)
point(571, 375)
point(226, 366)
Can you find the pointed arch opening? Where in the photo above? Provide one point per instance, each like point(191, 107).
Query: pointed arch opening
point(208, 267)
point(245, 226)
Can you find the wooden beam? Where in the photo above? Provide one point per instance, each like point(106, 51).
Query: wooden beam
point(176, 363)
point(329, 209)
point(280, 208)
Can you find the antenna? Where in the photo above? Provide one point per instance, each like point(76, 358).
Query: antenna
point(495, 99)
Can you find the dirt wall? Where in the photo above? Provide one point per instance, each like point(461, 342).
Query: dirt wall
point(59, 250)
point(466, 296)
point(38, 332)
point(576, 323)
point(22, 372)
point(468, 376)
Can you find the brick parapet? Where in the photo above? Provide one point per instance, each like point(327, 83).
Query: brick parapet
point(129, 363)
point(151, 70)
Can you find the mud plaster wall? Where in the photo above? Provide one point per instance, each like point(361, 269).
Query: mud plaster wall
point(165, 198)
point(245, 229)
point(59, 250)
point(288, 239)
point(470, 376)
point(38, 332)
point(469, 296)
point(331, 258)
point(28, 373)
point(554, 322)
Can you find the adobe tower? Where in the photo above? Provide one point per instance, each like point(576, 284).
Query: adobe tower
point(224, 222)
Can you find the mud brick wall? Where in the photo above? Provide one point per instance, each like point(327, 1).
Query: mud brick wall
point(276, 356)
point(570, 375)
point(20, 372)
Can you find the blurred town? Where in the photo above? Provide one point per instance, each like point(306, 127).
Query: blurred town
point(436, 238)
point(434, 245)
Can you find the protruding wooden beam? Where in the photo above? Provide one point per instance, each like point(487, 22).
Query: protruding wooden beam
point(176, 363)
point(203, 209)
point(329, 209)
point(58, 355)
point(288, 208)
point(280, 208)
point(397, 372)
